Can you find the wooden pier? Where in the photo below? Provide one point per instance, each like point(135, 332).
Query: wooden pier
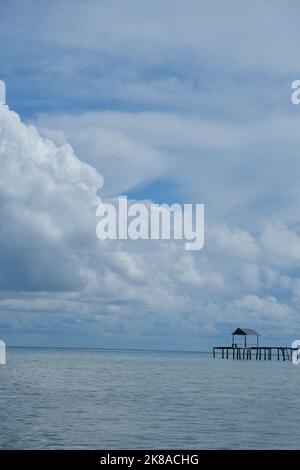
point(256, 352)
point(266, 353)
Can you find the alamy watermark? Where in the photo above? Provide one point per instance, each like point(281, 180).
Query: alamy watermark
point(2, 353)
point(147, 221)
point(295, 97)
point(296, 352)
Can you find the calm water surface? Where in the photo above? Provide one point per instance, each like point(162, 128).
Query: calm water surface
point(81, 399)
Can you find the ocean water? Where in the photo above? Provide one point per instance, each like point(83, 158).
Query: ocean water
point(85, 399)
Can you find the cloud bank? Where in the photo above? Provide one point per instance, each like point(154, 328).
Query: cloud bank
point(56, 275)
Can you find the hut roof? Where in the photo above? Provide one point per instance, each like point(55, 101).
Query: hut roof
point(245, 331)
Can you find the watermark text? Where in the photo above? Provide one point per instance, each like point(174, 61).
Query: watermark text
point(148, 221)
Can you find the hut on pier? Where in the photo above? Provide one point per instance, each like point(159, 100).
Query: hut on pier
point(244, 332)
point(247, 351)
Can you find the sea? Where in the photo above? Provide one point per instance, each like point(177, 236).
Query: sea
point(118, 399)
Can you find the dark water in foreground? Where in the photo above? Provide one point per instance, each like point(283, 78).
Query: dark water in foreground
point(80, 399)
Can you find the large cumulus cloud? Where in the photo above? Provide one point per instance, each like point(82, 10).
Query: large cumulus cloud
point(47, 202)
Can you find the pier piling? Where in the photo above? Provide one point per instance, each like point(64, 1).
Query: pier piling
point(265, 353)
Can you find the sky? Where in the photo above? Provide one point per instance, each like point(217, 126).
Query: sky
point(164, 101)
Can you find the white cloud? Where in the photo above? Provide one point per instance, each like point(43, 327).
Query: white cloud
point(165, 54)
point(251, 277)
point(268, 308)
point(47, 201)
point(223, 164)
point(281, 244)
point(233, 242)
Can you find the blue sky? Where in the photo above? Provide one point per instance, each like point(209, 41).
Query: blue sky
point(166, 100)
